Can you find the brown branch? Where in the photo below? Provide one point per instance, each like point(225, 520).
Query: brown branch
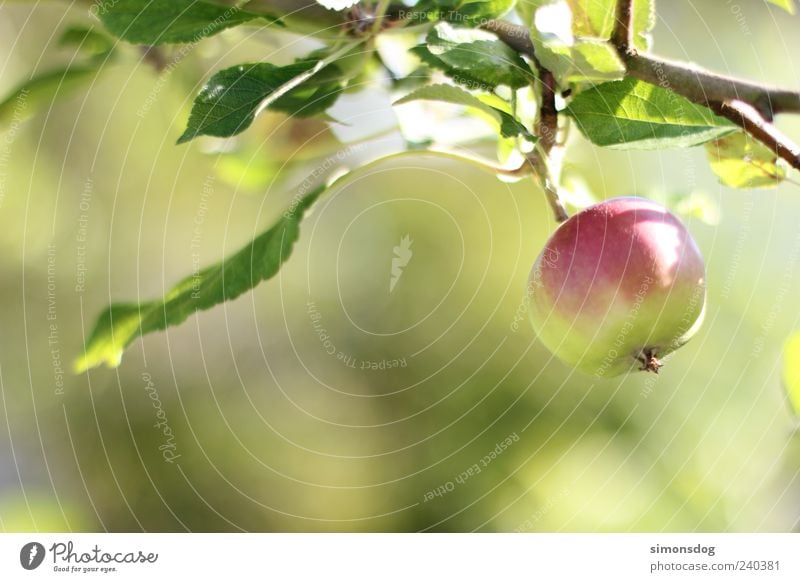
point(153, 56)
point(547, 126)
point(546, 131)
point(542, 173)
point(750, 119)
point(753, 115)
point(723, 94)
point(519, 39)
point(701, 86)
point(694, 83)
point(622, 35)
point(516, 36)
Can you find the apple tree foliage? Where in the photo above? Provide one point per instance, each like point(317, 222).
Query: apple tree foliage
point(528, 68)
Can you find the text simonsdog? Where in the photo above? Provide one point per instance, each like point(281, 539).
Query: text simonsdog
point(698, 549)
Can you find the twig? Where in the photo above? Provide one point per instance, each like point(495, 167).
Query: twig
point(547, 130)
point(519, 39)
point(542, 173)
point(723, 94)
point(548, 114)
point(695, 84)
point(516, 36)
point(622, 35)
point(153, 56)
point(701, 86)
point(748, 118)
point(753, 115)
point(692, 82)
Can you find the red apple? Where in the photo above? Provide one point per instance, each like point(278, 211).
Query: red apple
point(617, 287)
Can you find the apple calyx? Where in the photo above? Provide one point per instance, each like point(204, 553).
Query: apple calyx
point(650, 363)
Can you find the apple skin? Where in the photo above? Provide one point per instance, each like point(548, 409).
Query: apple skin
point(616, 287)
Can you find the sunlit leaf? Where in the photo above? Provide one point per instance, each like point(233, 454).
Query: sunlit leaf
point(695, 204)
point(506, 124)
point(228, 103)
point(787, 5)
point(88, 40)
point(570, 38)
point(634, 114)
point(644, 20)
point(741, 162)
point(168, 21)
point(41, 90)
point(595, 18)
point(526, 10)
point(243, 171)
point(474, 58)
point(575, 192)
point(791, 371)
point(260, 260)
point(585, 60)
point(463, 77)
point(461, 12)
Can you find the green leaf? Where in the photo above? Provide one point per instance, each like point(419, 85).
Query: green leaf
point(168, 21)
point(741, 162)
point(41, 90)
point(526, 11)
point(477, 12)
point(228, 103)
point(695, 204)
point(461, 12)
point(644, 20)
point(506, 124)
point(585, 60)
point(787, 5)
point(462, 77)
point(261, 259)
point(571, 38)
point(474, 58)
point(88, 40)
point(595, 18)
point(240, 171)
point(791, 371)
point(634, 114)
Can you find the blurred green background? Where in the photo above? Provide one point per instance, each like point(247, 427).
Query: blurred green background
point(271, 432)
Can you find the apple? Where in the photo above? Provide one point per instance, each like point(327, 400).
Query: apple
point(617, 287)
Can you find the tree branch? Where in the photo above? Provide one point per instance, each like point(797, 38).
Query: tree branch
point(748, 105)
point(748, 118)
point(692, 82)
point(725, 95)
point(701, 86)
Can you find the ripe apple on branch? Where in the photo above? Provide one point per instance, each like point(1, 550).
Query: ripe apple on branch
point(618, 285)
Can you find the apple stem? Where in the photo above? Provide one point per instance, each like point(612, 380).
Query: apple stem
point(650, 363)
point(547, 132)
